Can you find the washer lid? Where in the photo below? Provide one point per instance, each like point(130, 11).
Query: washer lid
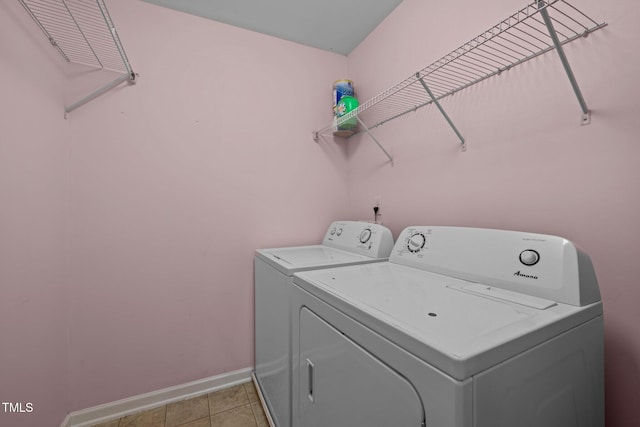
point(455, 325)
point(300, 258)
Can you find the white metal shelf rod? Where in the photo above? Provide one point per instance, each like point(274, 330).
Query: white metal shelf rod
point(366, 129)
point(98, 92)
point(586, 114)
point(444, 113)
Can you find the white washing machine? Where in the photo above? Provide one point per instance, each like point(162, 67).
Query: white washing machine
point(461, 327)
point(345, 243)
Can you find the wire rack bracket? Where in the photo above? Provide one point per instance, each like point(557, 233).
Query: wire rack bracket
point(83, 33)
point(534, 30)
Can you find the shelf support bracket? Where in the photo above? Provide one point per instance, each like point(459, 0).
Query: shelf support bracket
point(366, 129)
point(444, 113)
point(130, 77)
point(585, 119)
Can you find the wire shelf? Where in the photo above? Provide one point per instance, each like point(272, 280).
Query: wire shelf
point(82, 31)
point(519, 38)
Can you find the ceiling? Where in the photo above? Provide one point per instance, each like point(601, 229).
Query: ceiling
point(333, 25)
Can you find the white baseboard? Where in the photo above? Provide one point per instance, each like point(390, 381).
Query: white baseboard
point(142, 402)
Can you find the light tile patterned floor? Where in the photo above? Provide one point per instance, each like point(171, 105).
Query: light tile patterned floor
point(237, 406)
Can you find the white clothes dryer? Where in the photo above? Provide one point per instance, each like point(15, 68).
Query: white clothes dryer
point(461, 327)
point(345, 243)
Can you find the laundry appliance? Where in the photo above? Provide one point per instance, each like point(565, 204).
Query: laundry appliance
point(462, 327)
point(345, 243)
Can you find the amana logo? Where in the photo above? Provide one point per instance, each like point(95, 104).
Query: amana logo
point(528, 276)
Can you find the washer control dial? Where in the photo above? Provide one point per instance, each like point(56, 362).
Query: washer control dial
point(529, 257)
point(365, 235)
point(416, 242)
point(339, 232)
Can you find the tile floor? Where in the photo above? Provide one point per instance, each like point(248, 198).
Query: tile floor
point(237, 406)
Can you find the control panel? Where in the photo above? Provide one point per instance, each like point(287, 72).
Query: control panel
point(538, 265)
point(373, 240)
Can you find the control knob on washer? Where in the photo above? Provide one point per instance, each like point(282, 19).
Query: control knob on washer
point(416, 242)
point(365, 235)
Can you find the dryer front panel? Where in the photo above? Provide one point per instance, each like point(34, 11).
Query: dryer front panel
point(343, 385)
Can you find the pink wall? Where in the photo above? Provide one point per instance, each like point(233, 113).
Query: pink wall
point(34, 161)
point(529, 165)
point(175, 182)
point(128, 230)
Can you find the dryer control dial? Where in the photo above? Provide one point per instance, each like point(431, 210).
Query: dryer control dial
point(416, 242)
point(365, 235)
point(529, 257)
